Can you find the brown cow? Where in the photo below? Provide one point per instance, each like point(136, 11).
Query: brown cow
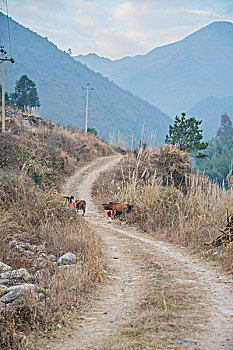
point(118, 208)
point(81, 204)
point(65, 199)
point(72, 204)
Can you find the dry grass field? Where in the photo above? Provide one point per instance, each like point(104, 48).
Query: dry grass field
point(172, 202)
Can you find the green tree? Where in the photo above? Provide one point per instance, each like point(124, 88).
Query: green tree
point(225, 132)
point(25, 94)
point(220, 153)
point(92, 131)
point(185, 133)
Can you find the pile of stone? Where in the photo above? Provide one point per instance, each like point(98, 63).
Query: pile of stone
point(16, 283)
point(33, 120)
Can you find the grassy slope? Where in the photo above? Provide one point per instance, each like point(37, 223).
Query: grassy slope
point(33, 162)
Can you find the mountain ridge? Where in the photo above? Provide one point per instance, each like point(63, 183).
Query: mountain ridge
point(177, 76)
point(59, 80)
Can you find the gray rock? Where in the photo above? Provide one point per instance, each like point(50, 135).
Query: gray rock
point(23, 287)
point(19, 246)
point(16, 292)
point(3, 290)
point(41, 247)
point(5, 281)
point(186, 341)
point(4, 267)
point(39, 259)
point(21, 274)
point(42, 254)
point(52, 258)
point(186, 281)
point(41, 296)
point(67, 259)
point(11, 296)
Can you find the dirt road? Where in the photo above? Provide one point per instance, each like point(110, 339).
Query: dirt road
point(125, 250)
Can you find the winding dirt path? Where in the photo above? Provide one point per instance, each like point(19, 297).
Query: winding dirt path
point(116, 298)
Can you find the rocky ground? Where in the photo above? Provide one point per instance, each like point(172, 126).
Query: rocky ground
point(14, 283)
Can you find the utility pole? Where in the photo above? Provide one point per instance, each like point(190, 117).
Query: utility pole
point(4, 58)
point(87, 88)
point(132, 141)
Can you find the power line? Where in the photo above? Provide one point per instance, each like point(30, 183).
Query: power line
point(8, 25)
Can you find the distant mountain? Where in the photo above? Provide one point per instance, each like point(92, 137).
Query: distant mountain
point(59, 80)
point(175, 77)
point(210, 111)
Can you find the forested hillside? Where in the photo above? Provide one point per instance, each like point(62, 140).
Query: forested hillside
point(59, 79)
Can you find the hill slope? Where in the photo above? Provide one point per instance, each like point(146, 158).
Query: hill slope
point(177, 76)
point(59, 79)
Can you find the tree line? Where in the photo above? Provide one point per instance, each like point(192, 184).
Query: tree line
point(217, 161)
point(218, 165)
point(25, 95)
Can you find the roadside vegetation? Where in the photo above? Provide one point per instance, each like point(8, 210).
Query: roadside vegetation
point(36, 229)
point(171, 200)
point(218, 164)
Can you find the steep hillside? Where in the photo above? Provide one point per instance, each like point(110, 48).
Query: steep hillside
point(177, 76)
point(210, 111)
point(60, 79)
point(37, 230)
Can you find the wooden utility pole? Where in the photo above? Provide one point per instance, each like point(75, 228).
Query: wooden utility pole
point(87, 88)
point(4, 58)
point(132, 141)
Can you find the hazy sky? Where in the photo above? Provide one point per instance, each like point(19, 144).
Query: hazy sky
point(116, 28)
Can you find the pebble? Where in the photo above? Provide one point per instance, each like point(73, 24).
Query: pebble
point(186, 341)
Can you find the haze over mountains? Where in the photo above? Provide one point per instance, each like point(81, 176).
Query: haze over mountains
point(210, 111)
point(178, 76)
point(59, 80)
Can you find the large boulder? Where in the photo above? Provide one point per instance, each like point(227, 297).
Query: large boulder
point(20, 274)
point(16, 292)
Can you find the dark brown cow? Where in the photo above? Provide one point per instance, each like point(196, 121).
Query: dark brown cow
point(118, 208)
point(81, 204)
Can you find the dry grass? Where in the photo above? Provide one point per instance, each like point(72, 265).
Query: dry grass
point(183, 207)
point(33, 162)
point(36, 217)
